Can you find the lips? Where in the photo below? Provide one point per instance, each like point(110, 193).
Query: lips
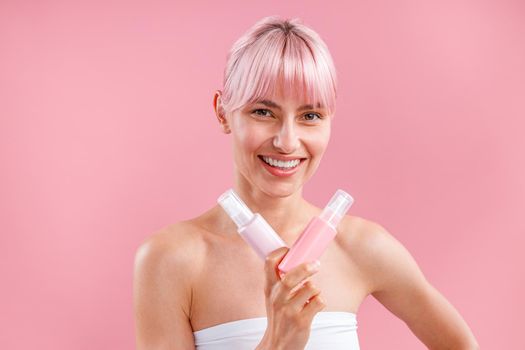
point(280, 172)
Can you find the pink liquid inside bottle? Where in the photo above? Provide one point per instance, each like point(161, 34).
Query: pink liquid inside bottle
point(318, 234)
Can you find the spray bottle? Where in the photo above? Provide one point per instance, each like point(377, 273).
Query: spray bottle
point(319, 232)
point(252, 227)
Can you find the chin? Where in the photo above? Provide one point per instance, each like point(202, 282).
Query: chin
point(280, 190)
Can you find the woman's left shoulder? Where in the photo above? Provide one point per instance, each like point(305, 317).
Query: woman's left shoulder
point(354, 231)
point(365, 240)
point(378, 254)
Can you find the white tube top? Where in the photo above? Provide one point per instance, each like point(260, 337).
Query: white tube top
point(334, 330)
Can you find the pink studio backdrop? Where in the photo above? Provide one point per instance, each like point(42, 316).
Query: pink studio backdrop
point(107, 134)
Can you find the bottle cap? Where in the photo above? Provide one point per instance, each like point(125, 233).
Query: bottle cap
point(235, 208)
point(337, 208)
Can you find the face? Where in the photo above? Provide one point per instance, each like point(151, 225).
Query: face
point(278, 143)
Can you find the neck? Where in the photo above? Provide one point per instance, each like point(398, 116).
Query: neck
point(288, 215)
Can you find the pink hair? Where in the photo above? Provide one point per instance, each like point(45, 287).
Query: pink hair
point(276, 50)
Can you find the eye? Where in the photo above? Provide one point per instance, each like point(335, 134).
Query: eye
point(312, 116)
point(263, 114)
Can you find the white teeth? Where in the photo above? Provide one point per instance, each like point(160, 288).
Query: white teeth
point(282, 164)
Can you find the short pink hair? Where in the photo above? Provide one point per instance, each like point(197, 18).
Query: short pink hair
point(275, 50)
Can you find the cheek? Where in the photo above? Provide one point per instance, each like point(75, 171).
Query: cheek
point(318, 142)
point(247, 138)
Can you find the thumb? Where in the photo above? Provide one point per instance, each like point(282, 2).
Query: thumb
point(270, 265)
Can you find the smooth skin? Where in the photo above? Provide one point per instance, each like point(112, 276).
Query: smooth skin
point(199, 273)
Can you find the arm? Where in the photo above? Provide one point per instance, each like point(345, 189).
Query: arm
point(161, 294)
point(398, 283)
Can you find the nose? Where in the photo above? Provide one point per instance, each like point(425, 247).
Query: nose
point(286, 140)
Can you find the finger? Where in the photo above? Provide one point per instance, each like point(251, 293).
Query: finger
point(313, 306)
point(292, 281)
point(299, 274)
point(270, 265)
point(303, 295)
point(300, 285)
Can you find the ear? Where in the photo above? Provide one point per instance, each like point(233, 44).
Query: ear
point(220, 113)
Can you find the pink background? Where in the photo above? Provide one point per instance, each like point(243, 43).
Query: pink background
point(107, 134)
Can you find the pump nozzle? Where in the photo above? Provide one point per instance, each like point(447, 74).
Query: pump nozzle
point(337, 208)
point(235, 208)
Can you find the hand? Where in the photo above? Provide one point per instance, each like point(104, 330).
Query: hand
point(291, 303)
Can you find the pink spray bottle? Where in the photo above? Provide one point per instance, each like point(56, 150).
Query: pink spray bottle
point(319, 232)
point(252, 227)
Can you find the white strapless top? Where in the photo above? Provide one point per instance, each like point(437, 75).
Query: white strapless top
point(331, 330)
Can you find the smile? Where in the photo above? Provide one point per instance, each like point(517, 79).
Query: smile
point(281, 164)
point(279, 167)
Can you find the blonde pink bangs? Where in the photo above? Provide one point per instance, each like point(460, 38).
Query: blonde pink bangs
point(276, 51)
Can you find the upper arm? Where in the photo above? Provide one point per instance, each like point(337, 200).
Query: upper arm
point(398, 283)
point(162, 295)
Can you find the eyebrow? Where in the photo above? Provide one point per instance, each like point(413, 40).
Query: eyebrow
point(275, 105)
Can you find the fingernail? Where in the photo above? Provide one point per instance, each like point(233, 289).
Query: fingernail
point(315, 265)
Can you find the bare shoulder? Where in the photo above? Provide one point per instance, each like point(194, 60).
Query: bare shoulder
point(174, 243)
point(360, 236)
point(379, 255)
point(166, 264)
point(174, 248)
point(396, 281)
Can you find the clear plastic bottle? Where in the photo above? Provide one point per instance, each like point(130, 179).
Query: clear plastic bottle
point(252, 227)
point(319, 232)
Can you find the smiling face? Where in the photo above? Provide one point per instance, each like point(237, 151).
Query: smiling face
point(278, 142)
point(272, 71)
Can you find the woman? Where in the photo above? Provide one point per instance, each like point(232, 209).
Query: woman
point(199, 285)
